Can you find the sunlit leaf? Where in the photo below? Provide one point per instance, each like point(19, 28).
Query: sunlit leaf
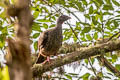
point(108, 7)
point(36, 35)
point(36, 14)
point(117, 66)
point(45, 26)
point(85, 76)
point(89, 37)
point(86, 30)
point(91, 9)
point(95, 36)
point(116, 3)
point(36, 27)
point(36, 46)
point(68, 76)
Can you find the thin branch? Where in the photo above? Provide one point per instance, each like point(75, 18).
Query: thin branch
point(89, 60)
point(74, 33)
point(113, 36)
point(107, 64)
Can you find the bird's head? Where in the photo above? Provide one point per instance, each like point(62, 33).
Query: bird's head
point(63, 18)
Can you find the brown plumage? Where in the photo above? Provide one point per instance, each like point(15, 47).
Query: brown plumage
point(51, 40)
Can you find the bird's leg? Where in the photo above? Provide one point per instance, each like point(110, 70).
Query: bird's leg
point(48, 58)
point(43, 55)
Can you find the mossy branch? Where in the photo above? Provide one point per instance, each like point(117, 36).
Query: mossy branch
point(83, 53)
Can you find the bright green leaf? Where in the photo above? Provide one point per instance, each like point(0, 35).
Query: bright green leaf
point(36, 35)
point(36, 46)
point(116, 3)
point(36, 14)
point(108, 7)
point(114, 58)
point(68, 76)
point(45, 26)
point(52, 25)
point(85, 76)
point(91, 9)
point(95, 36)
point(36, 27)
point(94, 20)
point(86, 30)
point(117, 66)
point(89, 37)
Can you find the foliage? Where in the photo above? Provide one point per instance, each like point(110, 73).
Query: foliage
point(4, 73)
point(91, 20)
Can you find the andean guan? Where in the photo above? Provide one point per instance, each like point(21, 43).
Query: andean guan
point(50, 41)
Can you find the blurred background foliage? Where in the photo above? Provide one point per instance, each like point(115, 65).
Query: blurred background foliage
point(91, 20)
point(4, 75)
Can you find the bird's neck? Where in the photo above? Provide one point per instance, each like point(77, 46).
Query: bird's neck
point(59, 25)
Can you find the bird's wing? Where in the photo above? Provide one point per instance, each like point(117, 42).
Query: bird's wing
point(43, 39)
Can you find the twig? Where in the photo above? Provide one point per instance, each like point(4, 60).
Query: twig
point(108, 65)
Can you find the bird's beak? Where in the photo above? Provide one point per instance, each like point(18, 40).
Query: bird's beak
point(69, 17)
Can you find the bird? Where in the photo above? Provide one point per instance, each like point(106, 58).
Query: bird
point(50, 41)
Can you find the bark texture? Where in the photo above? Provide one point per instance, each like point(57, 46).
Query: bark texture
point(19, 49)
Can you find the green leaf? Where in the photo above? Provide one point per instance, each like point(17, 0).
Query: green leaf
point(114, 58)
point(3, 14)
point(87, 16)
point(84, 2)
point(91, 9)
point(36, 27)
point(52, 25)
point(5, 73)
point(89, 37)
point(85, 76)
point(4, 30)
point(115, 2)
point(36, 14)
point(107, 13)
point(45, 9)
point(45, 26)
point(78, 27)
point(75, 39)
point(36, 46)
point(108, 7)
point(36, 35)
point(95, 36)
point(68, 76)
point(116, 23)
point(94, 20)
point(79, 4)
point(117, 66)
point(92, 60)
point(86, 61)
point(2, 44)
point(86, 30)
point(83, 38)
point(73, 74)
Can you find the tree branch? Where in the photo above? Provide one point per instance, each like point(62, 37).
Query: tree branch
point(83, 53)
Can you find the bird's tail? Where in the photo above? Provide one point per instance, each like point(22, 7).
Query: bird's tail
point(40, 59)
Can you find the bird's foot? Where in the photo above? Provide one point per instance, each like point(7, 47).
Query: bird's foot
point(48, 60)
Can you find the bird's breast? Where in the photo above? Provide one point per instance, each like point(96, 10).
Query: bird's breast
point(54, 43)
